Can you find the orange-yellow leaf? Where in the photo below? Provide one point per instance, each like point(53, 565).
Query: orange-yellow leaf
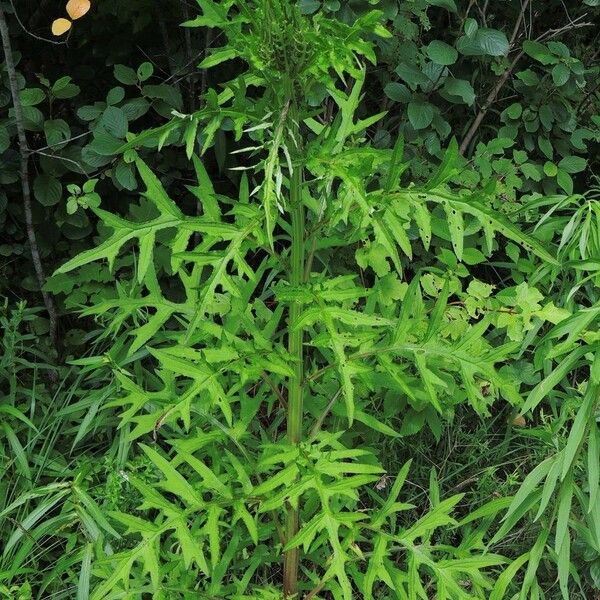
point(519, 421)
point(77, 8)
point(60, 26)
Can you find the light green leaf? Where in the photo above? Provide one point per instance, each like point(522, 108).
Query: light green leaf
point(578, 429)
point(217, 57)
point(155, 192)
point(542, 389)
point(83, 583)
point(175, 482)
point(507, 577)
point(456, 228)
point(593, 465)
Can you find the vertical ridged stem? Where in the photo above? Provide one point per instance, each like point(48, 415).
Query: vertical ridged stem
point(295, 335)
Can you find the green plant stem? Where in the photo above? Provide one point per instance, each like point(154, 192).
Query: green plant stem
point(295, 391)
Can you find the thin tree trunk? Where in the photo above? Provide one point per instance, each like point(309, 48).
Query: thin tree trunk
point(24, 173)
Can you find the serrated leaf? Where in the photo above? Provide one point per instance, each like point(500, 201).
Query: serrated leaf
point(217, 57)
point(155, 192)
point(176, 483)
point(456, 228)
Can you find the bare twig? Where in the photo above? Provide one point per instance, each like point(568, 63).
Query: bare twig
point(574, 24)
point(33, 35)
point(486, 105)
point(275, 389)
point(187, 33)
point(317, 426)
point(466, 15)
point(517, 26)
point(168, 48)
point(63, 143)
point(204, 80)
point(483, 12)
point(24, 152)
point(81, 168)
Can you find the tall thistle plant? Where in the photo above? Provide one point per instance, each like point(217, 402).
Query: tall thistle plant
point(253, 342)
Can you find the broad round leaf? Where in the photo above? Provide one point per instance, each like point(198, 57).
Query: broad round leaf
point(125, 75)
point(531, 171)
point(539, 52)
point(420, 114)
point(460, 88)
point(412, 75)
point(492, 41)
point(115, 121)
point(565, 181)
point(31, 96)
point(308, 7)
point(145, 71)
point(47, 190)
point(398, 92)
point(89, 113)
point(550, 169)
point(573, 164)
point(125, 174)
point(560, 74)
point(136, 108)
point(528, 77)
point(470, 27)
point(441, 53)
point(57, 131)
point(115, 95)
point(485, 41)
point(514, 111)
